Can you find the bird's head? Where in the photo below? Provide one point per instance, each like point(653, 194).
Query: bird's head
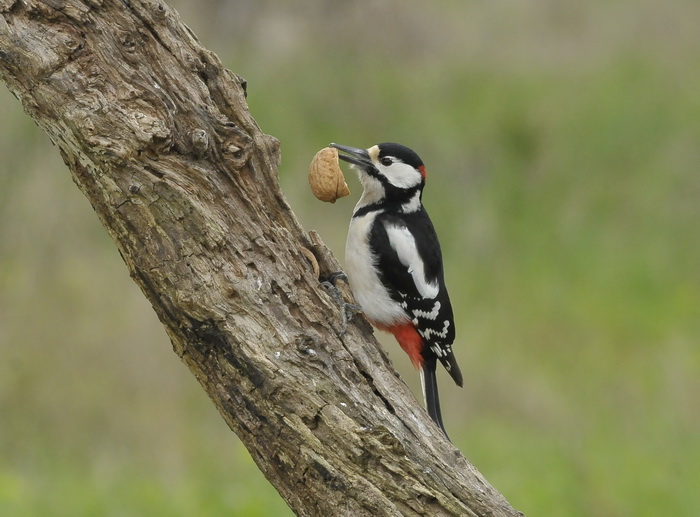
point(387, 171)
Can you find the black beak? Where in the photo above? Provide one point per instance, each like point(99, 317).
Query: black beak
point(354, 155)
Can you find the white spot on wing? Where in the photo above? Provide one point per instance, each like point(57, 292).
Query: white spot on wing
point(437, 350)
point(428, 315)
point(432, 332)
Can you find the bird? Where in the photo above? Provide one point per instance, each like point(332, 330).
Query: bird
point(393, 262)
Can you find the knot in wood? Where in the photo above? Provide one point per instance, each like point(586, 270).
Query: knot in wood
point(160, 10)
point(200, 142)
point(306, 345)
point(237, 149)
point(149, 128)
point(128, 41)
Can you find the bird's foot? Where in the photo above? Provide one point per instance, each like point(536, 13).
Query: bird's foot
point(349, 309)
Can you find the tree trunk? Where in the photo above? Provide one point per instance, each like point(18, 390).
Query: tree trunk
point(158, 136)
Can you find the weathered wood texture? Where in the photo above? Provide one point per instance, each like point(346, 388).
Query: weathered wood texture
point(158, 136)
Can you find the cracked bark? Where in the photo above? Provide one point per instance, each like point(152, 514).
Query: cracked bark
point(157, 135)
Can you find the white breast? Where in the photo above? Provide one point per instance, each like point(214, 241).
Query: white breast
point(360, 266)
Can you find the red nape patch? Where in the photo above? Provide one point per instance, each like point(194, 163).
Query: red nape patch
point(409, 339)
point(421, 169)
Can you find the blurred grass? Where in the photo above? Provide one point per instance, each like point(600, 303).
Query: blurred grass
point(561, 142)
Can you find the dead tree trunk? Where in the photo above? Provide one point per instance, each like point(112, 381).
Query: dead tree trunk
point(158, 136)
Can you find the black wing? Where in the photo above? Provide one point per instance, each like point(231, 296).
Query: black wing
point(409, 257)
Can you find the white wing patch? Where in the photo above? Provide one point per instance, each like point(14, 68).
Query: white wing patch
point(403, 242)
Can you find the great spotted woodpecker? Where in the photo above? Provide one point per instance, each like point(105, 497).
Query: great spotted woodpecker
point(394, 263)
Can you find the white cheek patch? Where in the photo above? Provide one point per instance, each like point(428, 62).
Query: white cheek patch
point(401, 175)
point(402, 241)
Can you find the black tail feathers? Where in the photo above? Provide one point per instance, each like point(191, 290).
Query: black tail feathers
point(430, 393)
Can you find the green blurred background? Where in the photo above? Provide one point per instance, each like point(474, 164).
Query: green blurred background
point(562, 142)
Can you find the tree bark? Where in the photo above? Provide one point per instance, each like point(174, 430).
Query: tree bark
point(157, 135)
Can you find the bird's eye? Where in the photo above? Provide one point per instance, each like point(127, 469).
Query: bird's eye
point(386, 161)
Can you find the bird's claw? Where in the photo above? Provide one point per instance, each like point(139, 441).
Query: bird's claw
point(349, 309)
